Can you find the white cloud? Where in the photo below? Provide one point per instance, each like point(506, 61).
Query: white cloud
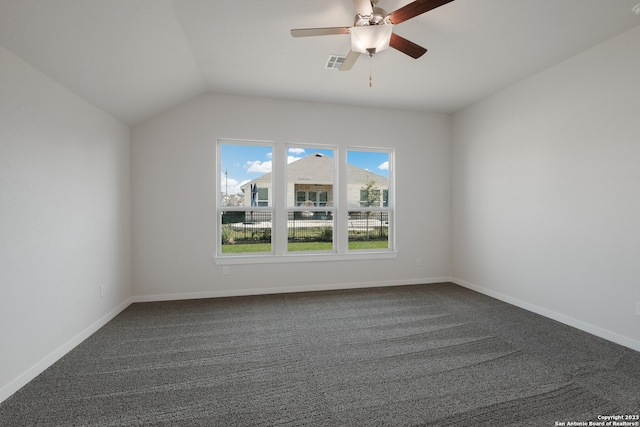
point(258, 166)
point(291, 159)
point(384, 166)
point(296, 150)
point(232, 185)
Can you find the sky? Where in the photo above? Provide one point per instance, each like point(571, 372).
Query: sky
point(242, 163)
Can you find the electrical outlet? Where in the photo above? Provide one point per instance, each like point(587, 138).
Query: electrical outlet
point(225, 270)
point(102, 291)
point(418, 261)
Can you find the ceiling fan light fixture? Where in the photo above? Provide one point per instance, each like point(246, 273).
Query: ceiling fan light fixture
point(364, 39)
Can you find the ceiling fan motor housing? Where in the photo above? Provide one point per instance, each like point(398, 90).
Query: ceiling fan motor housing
point(378, 17)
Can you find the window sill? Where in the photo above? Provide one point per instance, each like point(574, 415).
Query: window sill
point(314, 257)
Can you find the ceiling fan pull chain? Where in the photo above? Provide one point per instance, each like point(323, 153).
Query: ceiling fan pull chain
point(370, 78)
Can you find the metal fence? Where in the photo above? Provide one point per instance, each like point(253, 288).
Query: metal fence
point(246, 227)
point(302, 226)
point(363, 225)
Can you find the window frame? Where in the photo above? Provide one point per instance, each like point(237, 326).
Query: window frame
point(389, 209)
point(298, 209)
point(280, 209)
point(221, 209)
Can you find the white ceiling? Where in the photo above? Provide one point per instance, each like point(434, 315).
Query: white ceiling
point(137, 58)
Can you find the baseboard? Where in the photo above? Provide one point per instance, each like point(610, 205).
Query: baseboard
point(57, 354)
point(287, 289)
point(54, 356)
point(578, 324)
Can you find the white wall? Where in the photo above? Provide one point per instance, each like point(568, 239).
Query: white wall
point(173, 163)
point(546, 192)
point(64, 220)
point(544, 211)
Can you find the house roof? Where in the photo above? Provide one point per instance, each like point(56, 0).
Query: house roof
point(319, 169)
point(135, 59)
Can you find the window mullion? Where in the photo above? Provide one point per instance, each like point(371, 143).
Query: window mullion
point(281, 215)
point(341, 214)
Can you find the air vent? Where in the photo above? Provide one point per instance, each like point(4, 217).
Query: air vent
point(334, 62)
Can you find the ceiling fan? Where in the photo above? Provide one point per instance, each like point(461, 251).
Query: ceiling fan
point(372, 30)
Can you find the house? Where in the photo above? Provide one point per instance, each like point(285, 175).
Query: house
point(516, 143)
point(311, 182)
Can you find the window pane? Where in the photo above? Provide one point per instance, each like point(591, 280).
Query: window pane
point(367, 178)
point(246, 231)
point(367, 193)
point(323, 198)
point(310, 171)
point(263, 197)
point(245, 171)
point(368, 230)
point(301, 196)
point(246, 174)
point(310, 232)
point(311, 180)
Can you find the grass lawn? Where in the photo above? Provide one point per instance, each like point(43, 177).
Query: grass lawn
point(309, 246)
point(303, 246)
point(246, 248)
point(368, 244)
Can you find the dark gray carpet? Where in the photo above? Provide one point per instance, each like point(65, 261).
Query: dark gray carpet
point(431, 355)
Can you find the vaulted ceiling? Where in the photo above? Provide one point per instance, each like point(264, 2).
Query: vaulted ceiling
point(137, 58)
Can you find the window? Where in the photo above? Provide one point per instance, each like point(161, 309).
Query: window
point(307, 201)
point(369, 210)
point(319, 198)
point(311, 177)
point(380, 197)
point(244, 208)
point(263, 196)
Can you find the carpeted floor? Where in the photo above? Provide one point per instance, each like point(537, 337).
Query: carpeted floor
point(431, 355)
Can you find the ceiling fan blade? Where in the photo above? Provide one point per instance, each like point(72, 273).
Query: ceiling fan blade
point(363, 7)
point(407, 47)
point(418, 7)
point(351, 59)
point(328, 31)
